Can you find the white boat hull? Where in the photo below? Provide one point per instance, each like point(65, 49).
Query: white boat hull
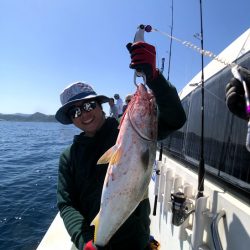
point(195, 233)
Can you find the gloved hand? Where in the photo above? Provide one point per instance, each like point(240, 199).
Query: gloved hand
point(153, 244)
point(143, 58)
point(90, 246)
point(235, 99)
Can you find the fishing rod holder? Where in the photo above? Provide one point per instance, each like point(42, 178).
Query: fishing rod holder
point(181, 208)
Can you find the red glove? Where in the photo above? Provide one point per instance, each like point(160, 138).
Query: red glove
point(143, 58)
point(90, 246)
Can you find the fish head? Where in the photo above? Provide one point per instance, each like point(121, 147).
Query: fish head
point(142, 113)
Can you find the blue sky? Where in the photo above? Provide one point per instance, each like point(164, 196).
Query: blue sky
point(47, 44)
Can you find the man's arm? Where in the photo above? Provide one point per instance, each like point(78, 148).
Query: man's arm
point(171, 115)
point(79, 231)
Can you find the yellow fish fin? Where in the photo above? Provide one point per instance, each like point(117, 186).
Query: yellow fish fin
point(95, 223)
point(116, 156)
point(108, 155)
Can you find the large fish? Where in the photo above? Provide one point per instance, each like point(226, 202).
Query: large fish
point(130, 165)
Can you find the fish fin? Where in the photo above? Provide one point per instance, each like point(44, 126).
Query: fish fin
point(116, 156)
point(112, 156)
point(106, 157)
point(95, 223)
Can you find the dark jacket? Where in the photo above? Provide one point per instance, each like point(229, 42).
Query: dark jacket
point(80, 180)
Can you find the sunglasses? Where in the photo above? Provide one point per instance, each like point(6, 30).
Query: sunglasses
point(76, 112)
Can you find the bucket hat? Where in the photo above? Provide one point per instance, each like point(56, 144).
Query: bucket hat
point(73, 93)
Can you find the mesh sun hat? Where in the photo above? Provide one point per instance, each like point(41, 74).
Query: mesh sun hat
point(73, 93)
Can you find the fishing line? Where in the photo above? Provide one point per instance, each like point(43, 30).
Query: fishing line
point(234, 69)
point(196, 48)
point(206, 53)
point(190, 45)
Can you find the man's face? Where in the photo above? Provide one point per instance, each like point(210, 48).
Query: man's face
point(111, 102)
point(88, 121)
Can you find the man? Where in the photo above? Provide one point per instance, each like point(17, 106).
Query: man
point(235, 98)
point(80, 180)
point(119, 104)
point(113, 111)
point(127, 101)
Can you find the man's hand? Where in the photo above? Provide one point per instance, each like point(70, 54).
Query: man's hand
point(235, 99)
point(143, 59)
point(91, 246)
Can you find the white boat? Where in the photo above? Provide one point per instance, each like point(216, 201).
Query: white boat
point(220, 219)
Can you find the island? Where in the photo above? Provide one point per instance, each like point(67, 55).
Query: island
point(36, 117)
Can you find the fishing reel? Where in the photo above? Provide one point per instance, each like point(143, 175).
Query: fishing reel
point(181, 208)
point(236, 74)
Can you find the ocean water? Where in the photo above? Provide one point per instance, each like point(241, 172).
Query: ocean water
point(29, 155)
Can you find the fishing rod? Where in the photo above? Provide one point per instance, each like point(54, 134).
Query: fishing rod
point(161, 144)
point(157, 170)
point(171, 39)
point(201, 168)
point(162, 64)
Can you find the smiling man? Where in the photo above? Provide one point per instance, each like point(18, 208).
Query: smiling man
point(80, 179)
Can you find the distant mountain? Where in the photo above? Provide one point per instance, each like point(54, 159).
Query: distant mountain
point(20, 114)
point(36, 117)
